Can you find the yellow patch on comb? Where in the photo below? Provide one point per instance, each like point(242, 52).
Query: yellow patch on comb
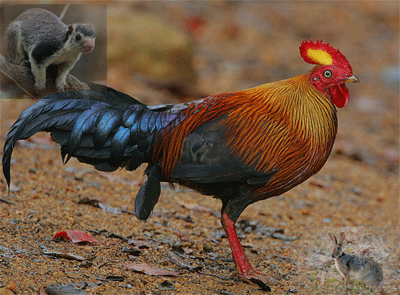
point(319, 56)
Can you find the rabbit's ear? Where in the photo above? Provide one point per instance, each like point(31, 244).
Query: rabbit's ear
point(333, 238)
point(342, 236)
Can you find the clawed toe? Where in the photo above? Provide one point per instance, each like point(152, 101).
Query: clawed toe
point(261, 279)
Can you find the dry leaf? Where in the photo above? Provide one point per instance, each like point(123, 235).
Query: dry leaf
point(198, 208)
point(64, 255)
point(149, 270)
point(142, 244)
point(175, 259)
point(68, 289)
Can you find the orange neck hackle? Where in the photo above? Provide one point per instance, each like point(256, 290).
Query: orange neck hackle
point(282, 114)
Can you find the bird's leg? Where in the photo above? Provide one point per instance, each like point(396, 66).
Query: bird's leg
point(242, 263)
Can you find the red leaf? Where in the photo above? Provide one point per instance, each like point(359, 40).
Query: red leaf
point(76, 236)
point(149, 270)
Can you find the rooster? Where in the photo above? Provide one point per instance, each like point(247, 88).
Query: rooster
point(240, 147)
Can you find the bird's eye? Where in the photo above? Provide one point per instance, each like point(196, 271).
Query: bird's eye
point(327, 74)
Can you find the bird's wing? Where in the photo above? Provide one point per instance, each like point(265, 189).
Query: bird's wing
point(207, 158)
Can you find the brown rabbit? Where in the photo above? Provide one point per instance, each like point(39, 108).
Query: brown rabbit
point(365, 269)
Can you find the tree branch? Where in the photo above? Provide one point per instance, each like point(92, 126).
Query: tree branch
point(18, 81)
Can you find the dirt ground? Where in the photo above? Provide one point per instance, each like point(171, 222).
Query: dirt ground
point(235, 45)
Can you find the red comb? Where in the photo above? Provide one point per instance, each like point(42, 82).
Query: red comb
point(322, 54)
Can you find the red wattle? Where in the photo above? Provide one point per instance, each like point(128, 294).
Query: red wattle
point(340, 95)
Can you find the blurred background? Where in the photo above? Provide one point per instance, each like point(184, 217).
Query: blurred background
point(174, 51)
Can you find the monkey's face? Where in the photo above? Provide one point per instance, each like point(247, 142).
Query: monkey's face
point(81, 37)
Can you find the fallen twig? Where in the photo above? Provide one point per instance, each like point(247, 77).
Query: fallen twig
point(6, 201)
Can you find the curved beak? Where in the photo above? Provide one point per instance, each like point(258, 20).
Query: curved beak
point(352, 79)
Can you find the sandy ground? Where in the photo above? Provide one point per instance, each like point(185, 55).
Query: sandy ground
point(239, 45)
